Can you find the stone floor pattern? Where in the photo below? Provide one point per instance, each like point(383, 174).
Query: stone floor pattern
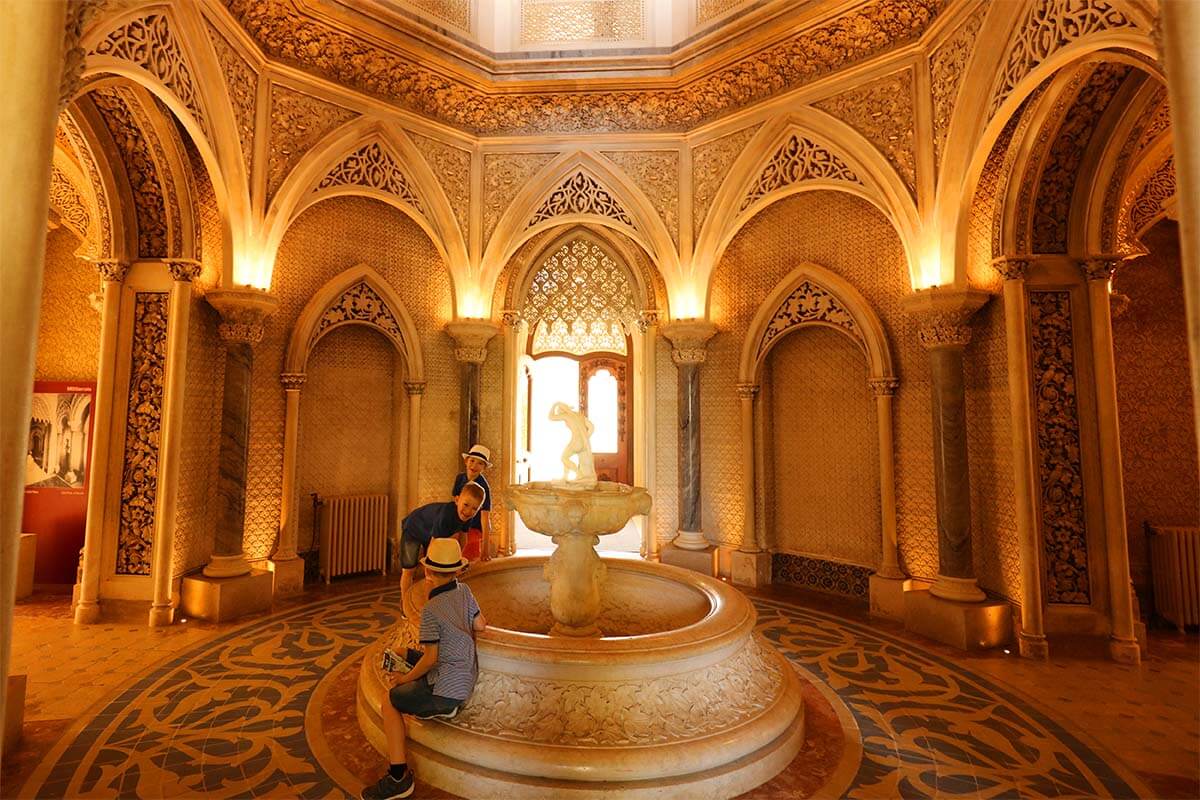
point(265, 709)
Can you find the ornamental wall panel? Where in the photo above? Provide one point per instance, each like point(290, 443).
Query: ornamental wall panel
point(853, 239)
point(656, 172)
point(947, 65)
point(68, 334)
point(298, 122)
point(452, 166)
point(1152, 198)
point(711, 162)
point(325, 240)
point(504, 175)
point(241, 83)
point(798, 159)
point(882, 111)
point(547, 21)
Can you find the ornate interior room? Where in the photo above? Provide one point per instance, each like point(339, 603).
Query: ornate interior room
point(879, 319)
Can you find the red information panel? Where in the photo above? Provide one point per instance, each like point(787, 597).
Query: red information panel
point(56, 470)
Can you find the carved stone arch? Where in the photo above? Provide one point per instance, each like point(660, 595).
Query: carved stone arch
point(356, 296)
point(793, 154)
point(74, 202)
point(89, 139)
point(1151, 194)
point(580, 188)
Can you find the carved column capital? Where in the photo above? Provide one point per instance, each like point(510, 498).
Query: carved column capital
point(183, 269)
point(414, 387)
point(944, 329)
point(471, 337)
point(78, 14)
point(648, 318)
point(243, 313)
point(292, 381)
point(510, 318)
point(689, 338)
point(883, 387)
point(747, 391)
point(1118, 303)
point(943, 315)
point(111, 269)
point(1012, 268)
point(1100, 268)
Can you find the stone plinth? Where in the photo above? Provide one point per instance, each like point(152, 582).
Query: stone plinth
point(887, 596)
point(702, 561)
point(223, 599)
point(750, 569)
point(967, 626)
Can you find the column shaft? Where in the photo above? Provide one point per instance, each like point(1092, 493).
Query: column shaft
point(413, 468)
point(750, 539)
point(469, 405)
point(289, 522)
point(950, 462)
point(231, 463)
point(889, 566)
point(690, 524)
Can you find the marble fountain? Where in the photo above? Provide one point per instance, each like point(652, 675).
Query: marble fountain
point(602, 677)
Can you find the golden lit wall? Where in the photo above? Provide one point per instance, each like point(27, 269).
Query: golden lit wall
point(1154, 399)
point(327, 239)
point(823, 444)
point(850, 237)
point(68, 342)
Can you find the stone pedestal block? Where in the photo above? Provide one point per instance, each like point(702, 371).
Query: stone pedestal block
point(702, 561)
point(26, 557)
point(750, 569)
point(223, 599)
point(887, 596)
point(967, 626)
point(14, 711)
point(289, 576)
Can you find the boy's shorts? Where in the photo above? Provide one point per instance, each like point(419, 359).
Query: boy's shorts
point(410, 552)
point(417, 698)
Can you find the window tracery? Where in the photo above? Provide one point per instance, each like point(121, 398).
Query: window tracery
point(581, 194)
point(798, 159)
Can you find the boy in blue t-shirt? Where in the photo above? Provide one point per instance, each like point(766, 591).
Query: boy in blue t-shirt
point(435, 521)
point(476, 460)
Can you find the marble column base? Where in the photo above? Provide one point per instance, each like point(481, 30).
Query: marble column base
point(750, 569)
point(1124, 651)
point(1035, 647)
point(289, 575)
point(691, 540)
point(702, 561)
point(223, 599)
point(967, 626)
point(887, 596)
point(161, 616)
point(226, 566)
point(960, 590)
point(87, 613)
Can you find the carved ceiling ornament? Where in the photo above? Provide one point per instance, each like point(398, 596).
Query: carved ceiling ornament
point(1158, 120)
point(947, 66)
point(73, 209)
point(454, 12)
point(1049, 26)
point(360, 304)
point(581, 194)
point(87, 160)
point(504, 175)
point(856, 35)
point(298, 122)
point(809, 304)
point(452, 166)
point(882, 111)
point(241, 81)
point(149, 43)
point(656, 172)
point(798, 159)
point(1152, 198)
point(1015, 130)
point(711, 162)
point(372, 167)
point(1115, 235)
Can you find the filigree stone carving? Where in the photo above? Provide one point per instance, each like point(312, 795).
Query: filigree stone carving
point(807, 304)
point(504, 175)
point(673, 708)
point(452, 166)
point(372, 167)
point(943, 329)
point(71, 206)
point(510, 318)
point(139, 471)
point(1060, 471)
point(710, 164)
point(865, 30)
point(298, 121)
point(1159, 188)
point(1049, 26)
point(1157, 122)
point(547, 21)
point(883, 387)
point(183, 269)
point(648, 318)
point(656, 172)
point(360, 303)
point(241, 81)
point(81, 149)
point(798, 159)
point(1115, 235)
point(711, 9)
point(471, 338)
point(882, 111)
point(1011, 269)
point(244, 313)
point(148, 42)
point(580, 194)
point(689, 340)
point(1099, 269)
point(947, 66)
point(292, 381)
point(79, 13)
point(111, 269)
point(455, 12)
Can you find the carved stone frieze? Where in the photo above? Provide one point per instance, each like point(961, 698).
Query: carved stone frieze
point(656, 172)
point(1157, 122)
point(1115, 235)
point(1060, 469)
point(71, 206)
point(1015, 130)
point(452, 166)
point(1049, 26)
point(1011, 269)
point(1154, 195)
point(647, 319)
point(947, 66)
point(143, 420)
point(360, 303)
point(865, 30)
point(149, 43)
point(298, 121)
point(87, 160)
point(882, 111)
point(1099, 269)
point(711, 162)
point(504, 175)
point(185, 270)
point(111, 269)
point(798, 159)
point(809, 303)
point(883, 387)
point(372, 167)
point(581, 194)
point(241, 82)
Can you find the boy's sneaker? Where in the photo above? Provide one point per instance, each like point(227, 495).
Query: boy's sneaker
point(439, 715)
point(388, 788)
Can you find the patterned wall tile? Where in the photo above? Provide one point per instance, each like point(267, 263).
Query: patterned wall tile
point(821, 575)
point(68, 343)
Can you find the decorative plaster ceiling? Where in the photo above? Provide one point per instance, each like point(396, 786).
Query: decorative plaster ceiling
point(776, 46)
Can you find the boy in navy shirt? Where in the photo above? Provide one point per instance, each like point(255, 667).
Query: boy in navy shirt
point(435, 521)
point(476, 460)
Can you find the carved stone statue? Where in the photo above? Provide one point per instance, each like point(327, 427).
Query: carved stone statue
point(577, 455)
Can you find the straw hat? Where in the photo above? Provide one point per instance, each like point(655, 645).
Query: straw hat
point(444, 555)
point(480, 452)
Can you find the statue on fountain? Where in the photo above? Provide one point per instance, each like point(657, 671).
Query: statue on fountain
point(577, 455)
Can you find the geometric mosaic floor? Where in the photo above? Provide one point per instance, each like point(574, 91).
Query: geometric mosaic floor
point(237, 715)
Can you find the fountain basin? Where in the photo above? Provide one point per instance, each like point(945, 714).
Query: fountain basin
point(677, 696)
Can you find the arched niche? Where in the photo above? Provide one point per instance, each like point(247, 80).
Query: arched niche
point(812, 295)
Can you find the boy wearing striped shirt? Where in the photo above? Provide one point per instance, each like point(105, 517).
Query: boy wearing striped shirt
point(441, 681)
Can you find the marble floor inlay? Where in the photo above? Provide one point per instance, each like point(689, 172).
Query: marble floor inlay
point(255, 711)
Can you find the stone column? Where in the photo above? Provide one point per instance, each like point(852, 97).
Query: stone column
point(1123, 644)
point(87, 609)
point(1031, 642)
point(285, 561)
point(510, 447)
point(884, 389)
point(243, 312)
point(751, 564)
point(689, 339)
point(470, 339)
point(412, 470)
point(32, 41)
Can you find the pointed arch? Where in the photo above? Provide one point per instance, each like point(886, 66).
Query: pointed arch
point(816, 151)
